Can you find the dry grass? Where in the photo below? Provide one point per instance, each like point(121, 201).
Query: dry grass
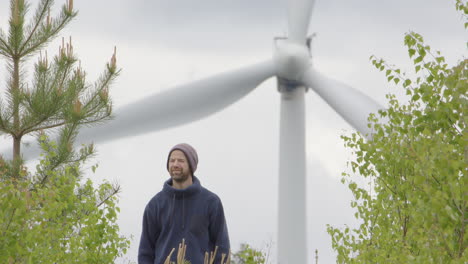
point(209, 257)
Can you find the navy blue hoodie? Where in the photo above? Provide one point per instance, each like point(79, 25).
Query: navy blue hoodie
point(194, 214)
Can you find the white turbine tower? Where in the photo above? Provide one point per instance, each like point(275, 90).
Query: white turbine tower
point(291, 64)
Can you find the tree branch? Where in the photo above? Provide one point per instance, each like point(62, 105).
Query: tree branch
point(42, 13)
point(114, 192)
point(9, 222)
point(5, 44)
point(45, 39)
point(461, 237)
point(32, 129)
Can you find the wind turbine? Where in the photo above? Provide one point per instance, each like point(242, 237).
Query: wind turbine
point(291, 64)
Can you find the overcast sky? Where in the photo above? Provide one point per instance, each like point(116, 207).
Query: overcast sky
point(162, 43)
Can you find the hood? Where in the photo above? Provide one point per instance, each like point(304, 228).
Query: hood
point(182, 193)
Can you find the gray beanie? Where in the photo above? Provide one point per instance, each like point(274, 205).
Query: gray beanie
point(190, 154)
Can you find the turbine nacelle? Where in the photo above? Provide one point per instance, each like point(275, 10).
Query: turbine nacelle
point(291, 61)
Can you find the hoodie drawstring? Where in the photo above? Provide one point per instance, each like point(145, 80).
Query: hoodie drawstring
point(173, 205)
point(183, 211)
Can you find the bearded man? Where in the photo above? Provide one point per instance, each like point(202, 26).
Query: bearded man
point(183, 210)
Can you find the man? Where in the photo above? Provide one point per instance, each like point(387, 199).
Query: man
point(183, 210)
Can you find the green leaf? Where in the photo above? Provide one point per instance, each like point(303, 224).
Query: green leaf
point(407, 83)
point(418, 59)
point(440, 59)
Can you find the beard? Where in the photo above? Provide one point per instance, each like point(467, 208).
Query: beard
point(179, 176)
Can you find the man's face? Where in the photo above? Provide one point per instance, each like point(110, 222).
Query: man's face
point(179, 166)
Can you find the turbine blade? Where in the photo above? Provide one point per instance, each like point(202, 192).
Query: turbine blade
point(348, 102)
point(299, 12)
point(182, 104)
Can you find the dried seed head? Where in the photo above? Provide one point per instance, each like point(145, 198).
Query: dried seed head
point(69, 49)
point(77, 106)
point(70, 6)
point(62, 49)
point(66, 50)
point(104, 94)
point(113, 61)
point(43, 61)
point(49, 19)
point(168, 259)
point(16, 13)
point(79, 71)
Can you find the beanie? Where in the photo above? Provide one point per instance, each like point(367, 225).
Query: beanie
point(189, 152)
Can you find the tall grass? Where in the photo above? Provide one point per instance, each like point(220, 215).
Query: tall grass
point(209, 257)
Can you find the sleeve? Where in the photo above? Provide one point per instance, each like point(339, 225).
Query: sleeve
point(218, 230)
point(149, 236)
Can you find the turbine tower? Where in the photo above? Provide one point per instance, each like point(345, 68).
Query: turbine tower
point(291, 64)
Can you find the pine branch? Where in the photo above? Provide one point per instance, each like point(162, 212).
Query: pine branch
point(62, 79)
point(43, 108)
point(65, 154)
point(99, 98)
point(66, 137)
point(36, 127)
point(18, 12)
point(97, 106)
point(44, 105)
point(34, 121)
point(2, 124)
point(47, 32)
point(4, 47)
point(5, 116)
point(59, 161)
point(61, 66)
point(96, 109)
point(95, 121)
point(43, 7)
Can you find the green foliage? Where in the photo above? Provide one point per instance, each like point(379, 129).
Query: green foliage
point(415, 208)
point(462, 6)
point(59, 95)
point(54, 216)
point(249, 255)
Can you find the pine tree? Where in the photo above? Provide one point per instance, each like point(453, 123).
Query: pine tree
point(53, 215)
point(58, 97)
